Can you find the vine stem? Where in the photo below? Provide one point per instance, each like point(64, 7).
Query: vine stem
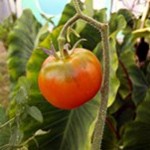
point(7, 123)
point(61, 38)
point(103, 28)
point(100, 123)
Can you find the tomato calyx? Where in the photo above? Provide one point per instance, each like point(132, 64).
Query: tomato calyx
point(66, 50)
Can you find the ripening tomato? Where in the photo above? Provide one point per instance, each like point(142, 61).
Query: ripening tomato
point(70, 82)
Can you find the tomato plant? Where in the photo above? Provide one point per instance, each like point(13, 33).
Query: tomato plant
point(70, 82)
point(29, 122)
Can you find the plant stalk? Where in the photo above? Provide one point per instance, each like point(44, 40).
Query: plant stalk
point(100, 123)
point(7, 123)
point(103, 28)
point(61, 38)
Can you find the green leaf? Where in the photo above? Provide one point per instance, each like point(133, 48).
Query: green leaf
point(101, 15)
point(69, 130)
point(16, 135)
point(116, 23)
point(114, 82)
point(21, 91)
point(126, 62)
point(129, 17)
point(21, 43)
point(68, 12)
point(54, 36)
point(137, 133)
point(35, 113)
point(90, 33)
point(110, 141)
point(42, 31)
point(5, 130)
point(140, 85)
point(138, 82)
point(41, 132)
point(125, 88)
point(88, 10)
point(3, 117)
point(141, 32)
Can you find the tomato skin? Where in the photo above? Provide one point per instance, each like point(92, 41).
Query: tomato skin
point(69, 83)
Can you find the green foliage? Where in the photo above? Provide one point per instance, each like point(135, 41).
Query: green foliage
point(21, 43)
point(30, 122)
point(4, 129)
point(140, 128)
point(5, 27)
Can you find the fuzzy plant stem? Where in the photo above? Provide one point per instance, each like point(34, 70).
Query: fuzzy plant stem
point(103, 28)
point(100, 123)
point(61, 38)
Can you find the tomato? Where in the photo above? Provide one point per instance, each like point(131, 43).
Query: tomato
point(70, 82)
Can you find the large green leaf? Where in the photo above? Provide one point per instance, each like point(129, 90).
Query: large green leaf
point(21, 44)
point(136, 136)
point(126, 62)
point(117, 24)
point(114, 82)
point(125, 88)
point(140, 84)
point(68, 12)
point(137, 81)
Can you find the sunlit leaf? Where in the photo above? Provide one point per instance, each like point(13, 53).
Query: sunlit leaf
point(41, 132)
point(141, 32)
point(35, 113)
point(114, 82)
point(42, 31)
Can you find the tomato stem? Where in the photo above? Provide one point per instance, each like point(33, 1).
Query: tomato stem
point(103, 28)
point(61, 38)
point(99, 126)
